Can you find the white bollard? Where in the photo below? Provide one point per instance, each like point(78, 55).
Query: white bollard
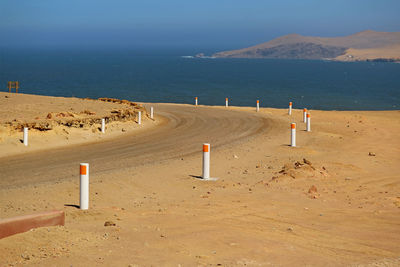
point(195, 101)
point(290, 108)
point(206, 161)
point(226, 102)
point(258, 105)
point(84, 186)
point(293, 136)
point(139, 118)
point(308, 122)
point(151, 113)
point(305, 115)
point(26, 136)
point(103, 125)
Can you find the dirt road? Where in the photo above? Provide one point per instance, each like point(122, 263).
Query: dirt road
point(183, 130)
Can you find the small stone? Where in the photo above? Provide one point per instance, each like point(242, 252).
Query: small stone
point(49, 116)
point(235, 157)
point(123, 129)
point(25, 257)
point(371, 154)
point(290, 229)
point(109, 223)
point(313, 189)
point(307, 162)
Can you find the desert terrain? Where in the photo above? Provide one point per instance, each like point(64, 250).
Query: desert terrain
point(334, 200)
point(362, 46)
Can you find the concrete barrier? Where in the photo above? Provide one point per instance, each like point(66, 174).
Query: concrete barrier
point(16, 225)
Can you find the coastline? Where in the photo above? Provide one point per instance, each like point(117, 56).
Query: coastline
point(261, 207)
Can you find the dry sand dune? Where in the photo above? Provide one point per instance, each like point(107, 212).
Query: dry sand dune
point(334, 200)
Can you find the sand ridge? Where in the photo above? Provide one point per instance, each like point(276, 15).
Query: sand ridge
point(61, 122)
point(333, 200)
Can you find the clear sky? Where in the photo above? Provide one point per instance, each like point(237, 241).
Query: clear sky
point(201, 23)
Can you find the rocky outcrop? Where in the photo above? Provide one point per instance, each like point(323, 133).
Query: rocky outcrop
point(366, 45)
point(85, 118)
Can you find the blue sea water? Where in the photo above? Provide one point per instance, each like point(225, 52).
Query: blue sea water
point(164, 76)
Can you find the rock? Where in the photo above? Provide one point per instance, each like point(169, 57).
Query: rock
point(25, 257)
point(307, 162)
point(88, 112)
point(371, 154)
point(235, 157)
point(123, 129)
point(298, 164)
point(313, 189)
point(49, 116)
point(109, 223)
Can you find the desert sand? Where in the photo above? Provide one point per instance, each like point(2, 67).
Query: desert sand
point(352, 54)
point(55, 122)
point(331, 201)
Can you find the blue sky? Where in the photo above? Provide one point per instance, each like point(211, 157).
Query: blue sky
point(206, 23)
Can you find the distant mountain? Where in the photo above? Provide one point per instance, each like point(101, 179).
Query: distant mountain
point(366, 45)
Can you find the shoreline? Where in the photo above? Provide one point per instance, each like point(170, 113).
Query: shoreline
point(327, 201)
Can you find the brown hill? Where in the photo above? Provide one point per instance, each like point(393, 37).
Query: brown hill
point(364, 45)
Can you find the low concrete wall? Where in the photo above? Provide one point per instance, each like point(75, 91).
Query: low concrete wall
point(15, 225)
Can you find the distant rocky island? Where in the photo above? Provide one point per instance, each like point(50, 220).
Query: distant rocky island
point(363, 46)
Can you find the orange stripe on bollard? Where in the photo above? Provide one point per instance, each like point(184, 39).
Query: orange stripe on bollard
point(205, 148)
point(308, 115)
point(293, 126)
point(83, 170)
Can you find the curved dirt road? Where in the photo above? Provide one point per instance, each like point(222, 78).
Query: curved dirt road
point(185, 129)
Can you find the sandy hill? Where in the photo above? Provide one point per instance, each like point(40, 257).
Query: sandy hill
point(366, 45)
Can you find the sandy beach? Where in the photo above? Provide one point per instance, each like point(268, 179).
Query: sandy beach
point(334, 200)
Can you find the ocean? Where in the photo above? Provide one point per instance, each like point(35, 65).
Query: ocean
point(165, 76)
